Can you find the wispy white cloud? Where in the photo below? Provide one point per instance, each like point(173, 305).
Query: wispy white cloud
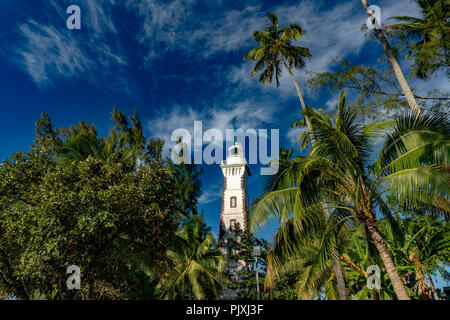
point(46, 51)
point(245, 114)
point(180, 26)
point(49, 52)
point(332, 31)
point(211, 194)
point(195, 30)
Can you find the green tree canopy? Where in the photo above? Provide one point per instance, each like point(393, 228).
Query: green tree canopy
point(79, 199)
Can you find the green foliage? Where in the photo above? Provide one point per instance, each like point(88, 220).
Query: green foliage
point(358, 256)
point(377, 89)
point(246, 287)
point(411, 165)
point(195, 262)
point(275, 49)
point(308, 252)
point(83, 201)
point(427, 38)
point(425, 249)
point(187, 187)
point(240, 249)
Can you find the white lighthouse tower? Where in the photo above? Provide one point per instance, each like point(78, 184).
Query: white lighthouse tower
point(234, 203)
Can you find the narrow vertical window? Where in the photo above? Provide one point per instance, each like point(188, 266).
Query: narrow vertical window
point(233, 202)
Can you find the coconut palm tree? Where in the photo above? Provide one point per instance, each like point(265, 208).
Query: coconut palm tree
point(303, 138)
point(430, 35)
point(395, 66)
point(197, 265)
point(298, 247)
point(80, 147)
point(307, 249)
point(274, 51)
point(302, 249)
point(412, 165)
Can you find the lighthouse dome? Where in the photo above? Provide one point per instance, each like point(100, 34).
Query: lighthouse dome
point(235, 155)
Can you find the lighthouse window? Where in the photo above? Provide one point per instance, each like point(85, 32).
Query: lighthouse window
point(233, 202)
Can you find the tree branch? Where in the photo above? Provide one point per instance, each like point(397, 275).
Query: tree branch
point(398, 94)
point(353, 265)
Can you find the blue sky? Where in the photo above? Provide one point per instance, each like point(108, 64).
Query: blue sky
point(176, 62)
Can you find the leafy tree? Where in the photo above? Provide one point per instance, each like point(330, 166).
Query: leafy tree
point(96, 209)
point(426, 251)
point(46, 136)
point(377, 89)
point(417, 259)
point(424, 248)
point(126, 136)
point(427, 38)
point(242, 250)
point(187, 187)
point(358, 256)
point(196, 263)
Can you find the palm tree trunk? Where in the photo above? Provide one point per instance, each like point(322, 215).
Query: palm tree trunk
point(397, 71)
point(391, 270)
point(302, 101)
point(90, 291)
point(433, 288)
point(337, 268)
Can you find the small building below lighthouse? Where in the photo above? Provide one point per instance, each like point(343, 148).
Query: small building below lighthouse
point(234, 203)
